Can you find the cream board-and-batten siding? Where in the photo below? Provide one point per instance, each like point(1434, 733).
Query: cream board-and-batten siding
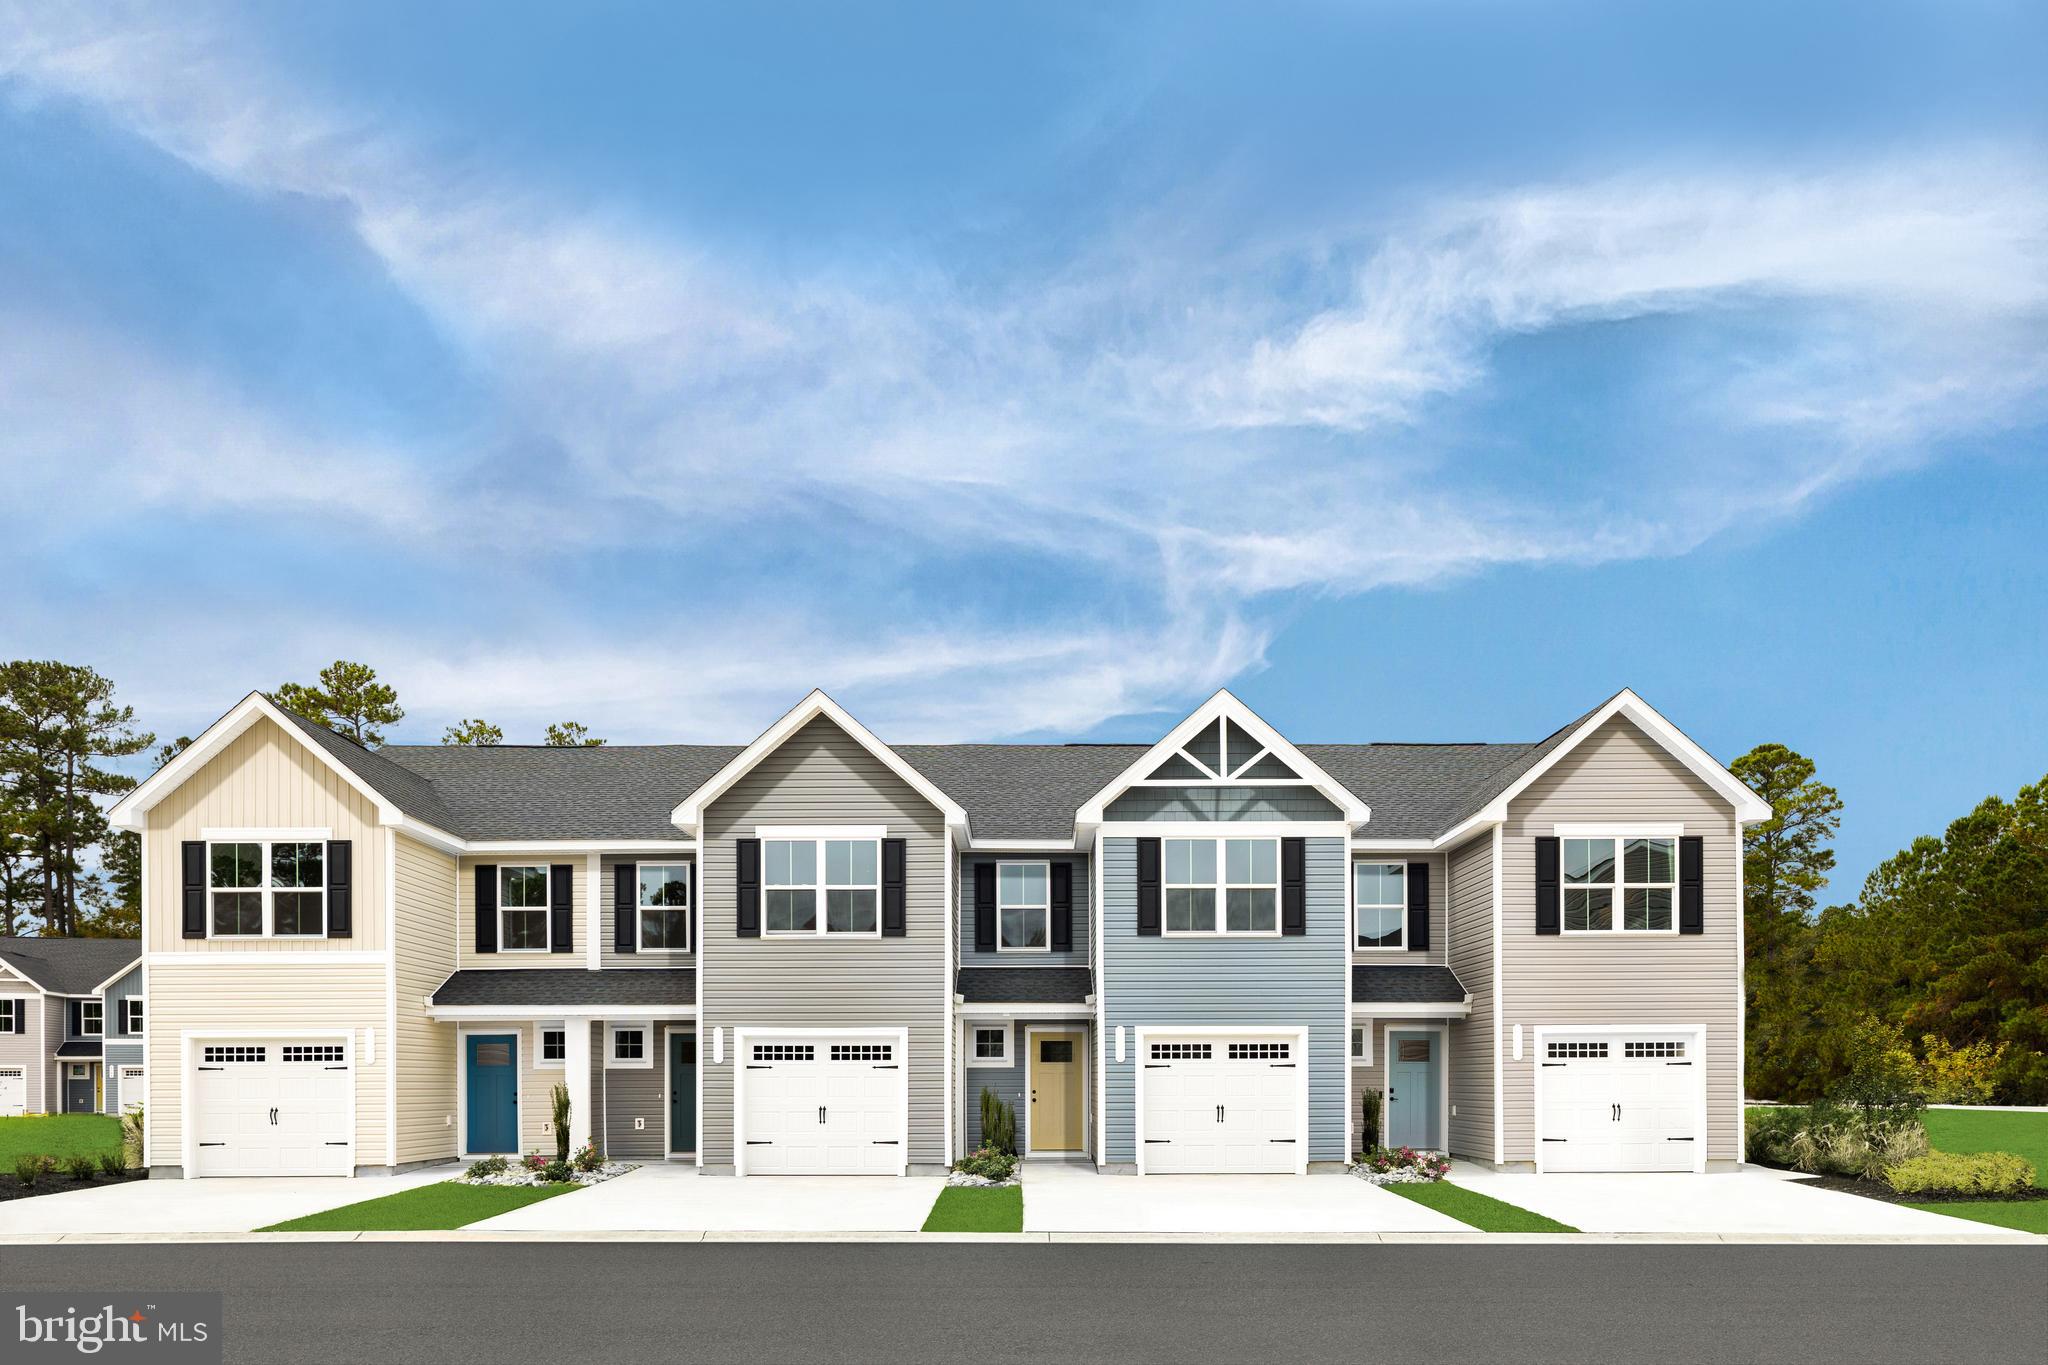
point(425, 1062)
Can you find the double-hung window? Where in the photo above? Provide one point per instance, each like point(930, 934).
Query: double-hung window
point(842, 875)
point(1023, 907)
point(131, 1015)
point(1636, 877)
point(1379, 900)
point(92, 1019)
point(1241, 877)
point(274, 887)
point(11, 1013)
point(664, 909)
point(523, 908)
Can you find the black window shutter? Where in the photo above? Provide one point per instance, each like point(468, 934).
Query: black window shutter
point(487, 907)
point(696, 920)
point(561, 908)
point(341, 875)
point(1148, 886)
point(1546, 885)
point(1062, 907)
point(1294, 887)
point(1418, 907)
point(746, 864)
point(625, 908)
point(77, 1018)
point(984, 907)
point(193, 854)
point(895, 856)
point(1692, 890)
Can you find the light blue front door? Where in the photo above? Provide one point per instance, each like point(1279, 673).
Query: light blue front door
point(493, 1100)
point(1414, 1089)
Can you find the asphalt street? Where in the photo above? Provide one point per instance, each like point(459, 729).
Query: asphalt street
point(453, 1303)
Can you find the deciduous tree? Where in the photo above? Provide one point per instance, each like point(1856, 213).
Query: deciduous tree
point(570, 735)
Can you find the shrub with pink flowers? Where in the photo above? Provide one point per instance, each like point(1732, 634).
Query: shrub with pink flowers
point(1400, 1166)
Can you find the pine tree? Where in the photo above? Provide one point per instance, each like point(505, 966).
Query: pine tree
point(473, 732)
point(347, 700)
point(570, 735)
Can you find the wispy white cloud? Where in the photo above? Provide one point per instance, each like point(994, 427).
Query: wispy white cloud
point(1175, 437)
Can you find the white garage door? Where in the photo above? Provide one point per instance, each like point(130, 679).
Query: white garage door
point(271, 1107)
point(13, 1092)
point(823, 1106)
point(1222, 1104)
point(1624, 1103)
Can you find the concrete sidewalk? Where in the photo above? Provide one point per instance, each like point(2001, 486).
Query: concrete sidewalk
point(172, 1206)
point(671, 1197)
point(1061, 1198)
point(1750, 1202)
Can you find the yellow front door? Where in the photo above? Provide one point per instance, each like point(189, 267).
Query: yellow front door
point(1058, 1101)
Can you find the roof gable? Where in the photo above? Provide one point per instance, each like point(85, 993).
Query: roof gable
point(70, 966)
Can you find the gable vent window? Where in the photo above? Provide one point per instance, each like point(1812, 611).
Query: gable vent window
point(1577, 1051)
point(862, 1052)
point(319, 1052)
point(234, 1054)
point(785, 1052)
point(1182, 1052)
point(1259, 1052)
point(1661, 1048)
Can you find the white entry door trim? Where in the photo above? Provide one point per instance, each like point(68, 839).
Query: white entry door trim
point(1696, 1048)
point(1443, 1074)
point(190, 1042)
point(743, 1040)
point(1145, 1037)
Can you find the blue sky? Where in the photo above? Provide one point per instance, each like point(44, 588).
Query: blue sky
point(1418, 371)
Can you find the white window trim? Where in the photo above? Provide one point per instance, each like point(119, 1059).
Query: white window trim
point(10, 1006)
point(689, 907)
point(131, 1015)
point(541, 1027)
point(85, 1021)
point(1044, 907)
point(1222, 886)
point(612, 1060)
point(547, 909)
point(266, 839)
point(1620, 886)
point(822, 886)
point(1008, 1030)
point(1357, 906)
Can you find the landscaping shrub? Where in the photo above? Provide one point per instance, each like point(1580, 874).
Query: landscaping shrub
point(1981, 1173)
point(1767, 1139)
point(1369, 1120)
point(29, 1168)
point(988, 1163)
point(81, 1165)
point(587, 1157)
point(998, 1123)
point(1960, 1075)
point(1404, 1163)
point(560, 1095)
point(113, 1163)
point(557, 1172)
point(489, 1166)
point(131, 1135)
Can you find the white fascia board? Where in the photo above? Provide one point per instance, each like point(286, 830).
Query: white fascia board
point(128, 812)
point(1024, 845)
point(1224, 704)
point(1394, 845)
point(578, 845)
point(536, 1013)
point(687, 815)
point(1388, 1010)
point(1749, 807)
point(430, 835)
point(992, 1011)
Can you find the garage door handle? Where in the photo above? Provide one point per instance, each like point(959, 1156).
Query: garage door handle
point(213, 1144)
point(273, 1118)
point(821, 1113)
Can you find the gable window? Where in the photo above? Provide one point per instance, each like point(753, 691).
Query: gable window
point(553, 1052)
point(131, 1015)
point(263, 887)
point(1619, 885)
point(92, 1019)
point(523, 908)
point(629, 1048)
point(1379, 899)
point(991, 1046)
point(1023, 907)
point(844, 874)
point(1241, 876)
point(664, 907)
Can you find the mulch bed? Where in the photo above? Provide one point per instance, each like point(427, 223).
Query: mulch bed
point(1877, 1189)
point(60, 1183)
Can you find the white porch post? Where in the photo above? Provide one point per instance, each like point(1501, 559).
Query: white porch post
point(576, 1075)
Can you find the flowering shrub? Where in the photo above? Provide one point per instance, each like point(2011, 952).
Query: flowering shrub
point(534, 1162)
point(1401, 1165)
point(988, 1163)
point(556, 1172)
point(587, 1157)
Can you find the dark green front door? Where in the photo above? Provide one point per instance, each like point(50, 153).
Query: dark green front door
point(682, 1092)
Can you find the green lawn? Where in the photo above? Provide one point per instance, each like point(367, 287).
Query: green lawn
point(1478, 1210)
point(966, 1208)
point(449, 1204)
point(2021, 1215)
point(58, 1135)
point(1975, 1130)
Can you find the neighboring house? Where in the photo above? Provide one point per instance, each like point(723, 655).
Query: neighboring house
point(71, 1023)
point(813, 953)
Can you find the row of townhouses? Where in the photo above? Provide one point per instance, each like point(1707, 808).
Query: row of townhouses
point(814, 952)
point(70, 1025)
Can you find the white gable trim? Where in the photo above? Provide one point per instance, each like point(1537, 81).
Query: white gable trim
point(1749, 807)
point(1223, 704)
point(128, 812)
point(688, 815)
point(101, 989)
point(23, 977)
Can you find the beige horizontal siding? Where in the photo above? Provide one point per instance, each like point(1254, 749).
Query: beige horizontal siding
point(424, 1050)
point(1470, 1048)
point(265, 779)
point(464, 927)
point(1620, 776)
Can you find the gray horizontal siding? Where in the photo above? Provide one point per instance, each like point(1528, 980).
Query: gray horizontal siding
point(1288, 982)
point(608, 898)
point(629, 1093)
point(118, 1055)
point(1083, 934)
point(1155, 804)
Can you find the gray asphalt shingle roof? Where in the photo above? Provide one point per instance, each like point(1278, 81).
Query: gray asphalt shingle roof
point(1024, 985)
point(1009, 791)
point(80, 1047)
point(553, 988)
point(1419, 984)
point(69, 966)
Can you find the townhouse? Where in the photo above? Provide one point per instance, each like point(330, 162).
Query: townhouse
point(814, 952)
point(71, 1019)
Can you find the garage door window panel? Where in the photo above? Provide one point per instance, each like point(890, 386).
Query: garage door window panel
point(523, 908)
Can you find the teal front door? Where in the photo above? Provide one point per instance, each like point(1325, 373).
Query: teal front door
point(682, 1092)
point(1414, 1089)
point(492, 1061)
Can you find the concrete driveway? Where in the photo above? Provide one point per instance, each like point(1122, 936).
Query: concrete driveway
point(1063, 1198)
point(666, 1197)
point(1750, 1202)
point(201, 1205)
